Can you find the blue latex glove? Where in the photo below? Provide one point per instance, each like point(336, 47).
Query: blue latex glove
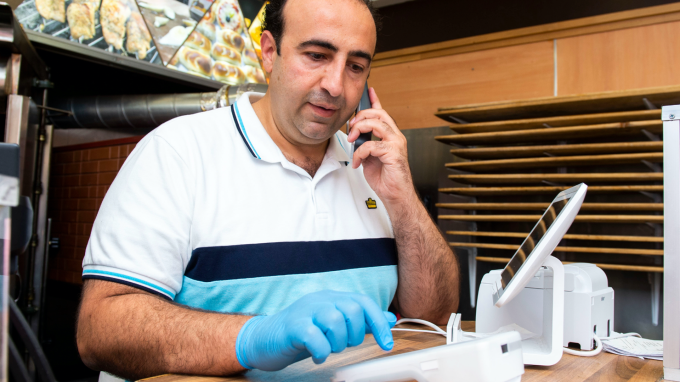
point(316, 324)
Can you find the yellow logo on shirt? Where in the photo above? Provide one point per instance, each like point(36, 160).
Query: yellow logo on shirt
point(371, 204)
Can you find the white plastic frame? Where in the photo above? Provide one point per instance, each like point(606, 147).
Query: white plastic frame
point(546, 245)
point(671, 259)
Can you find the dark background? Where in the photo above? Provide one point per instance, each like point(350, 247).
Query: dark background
point(422, 22)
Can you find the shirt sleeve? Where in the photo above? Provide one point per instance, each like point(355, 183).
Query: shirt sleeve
point(141, 236)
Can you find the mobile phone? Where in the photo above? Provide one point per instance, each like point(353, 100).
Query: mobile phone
point(364, 104)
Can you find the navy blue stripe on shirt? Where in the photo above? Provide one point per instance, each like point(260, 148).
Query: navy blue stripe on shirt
point(238, 127)
point(128, 283)
point(288, 258)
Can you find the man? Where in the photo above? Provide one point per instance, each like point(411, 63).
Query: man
point(260, 210)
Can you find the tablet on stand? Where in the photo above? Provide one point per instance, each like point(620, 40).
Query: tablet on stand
point(528, 294)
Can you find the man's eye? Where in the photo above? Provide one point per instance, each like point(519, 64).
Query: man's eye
point(315, 56)
point(357, 68)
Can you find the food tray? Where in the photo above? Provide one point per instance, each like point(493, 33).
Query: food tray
point(30, 19)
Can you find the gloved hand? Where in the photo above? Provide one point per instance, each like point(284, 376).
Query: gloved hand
point(316, 324)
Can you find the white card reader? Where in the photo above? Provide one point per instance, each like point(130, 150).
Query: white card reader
point(497, 358)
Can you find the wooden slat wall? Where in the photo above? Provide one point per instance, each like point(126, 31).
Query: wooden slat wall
point(627, 50)
point(514, 173)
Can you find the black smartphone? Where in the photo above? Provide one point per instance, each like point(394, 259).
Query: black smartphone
point(364, 104)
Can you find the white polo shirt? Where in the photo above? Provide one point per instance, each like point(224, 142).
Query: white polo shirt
point(209, 213)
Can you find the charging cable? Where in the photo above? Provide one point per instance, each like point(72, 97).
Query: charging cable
point(598, 345)
point(456, 328)
point(587, 353)
point(453, 332)
point(437, 329)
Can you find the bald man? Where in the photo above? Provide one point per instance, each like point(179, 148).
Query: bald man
point(251, 236)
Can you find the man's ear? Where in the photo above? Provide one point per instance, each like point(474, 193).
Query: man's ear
point(268, 45)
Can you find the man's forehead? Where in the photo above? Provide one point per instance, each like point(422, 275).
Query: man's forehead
point(347, 24)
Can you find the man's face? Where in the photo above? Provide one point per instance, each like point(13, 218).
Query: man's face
point(317, 81)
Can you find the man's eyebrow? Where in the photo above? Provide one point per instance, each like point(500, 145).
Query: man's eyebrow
point(333, 48)
point(361, 54)
point(319, 43)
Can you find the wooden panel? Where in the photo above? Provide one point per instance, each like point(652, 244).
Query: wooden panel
point(587, 25)
point(610, 251)
point(624, 59)
point(488, 191)
point(580, 160)
point(610, 101)
point(543, 150)
point(562, 133)
point(578, 219)
point(521, 235)
point(564, 178)
point(543, 206)
point(606, 367)
point(615, 267)
point(411, 92)
point(567, 120)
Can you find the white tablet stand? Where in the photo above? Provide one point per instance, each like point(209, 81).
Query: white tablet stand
point(528, 294)
point(538, 308)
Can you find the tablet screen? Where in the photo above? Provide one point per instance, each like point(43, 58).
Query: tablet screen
point(532, 240)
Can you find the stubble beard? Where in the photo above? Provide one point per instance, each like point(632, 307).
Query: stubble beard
point(311, 128)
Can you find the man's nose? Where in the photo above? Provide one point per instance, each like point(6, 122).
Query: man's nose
point(333, 79)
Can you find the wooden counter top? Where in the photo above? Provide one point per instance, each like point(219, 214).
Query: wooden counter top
point(604, 367)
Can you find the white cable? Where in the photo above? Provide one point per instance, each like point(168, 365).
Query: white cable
point(422, 322)
point(437, 329)
point(580, 353)
point(587, 353)
point(416, 330)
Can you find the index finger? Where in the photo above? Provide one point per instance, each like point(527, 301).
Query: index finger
point(373, 96)
point(375, 319)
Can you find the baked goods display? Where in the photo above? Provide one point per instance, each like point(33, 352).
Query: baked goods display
point(81, 19)
point(51, 9)
point(224, 45)
point(195, 61)
point(198, 42)
point(229, 74)
point(113, 25)
point(255, 31)
point(250, 58)
point(254, 75)
point(207, 29)
point(114, 15)
point(229, 16)
point(231, 38)
point(221, 52)
point(157, 31)
point(138, 37)
point(171, 23)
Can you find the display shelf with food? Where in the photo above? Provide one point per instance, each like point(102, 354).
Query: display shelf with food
point(170, 23)
point(220, 48)
point(112, 25)
point(255, 30)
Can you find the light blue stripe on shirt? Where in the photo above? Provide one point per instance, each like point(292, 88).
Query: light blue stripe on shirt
point(129, 278)
point(243, 128)
point(269, 295)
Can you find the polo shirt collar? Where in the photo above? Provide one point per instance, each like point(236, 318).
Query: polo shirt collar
point(338, 148)
point(260, 144)
point(253, 134)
